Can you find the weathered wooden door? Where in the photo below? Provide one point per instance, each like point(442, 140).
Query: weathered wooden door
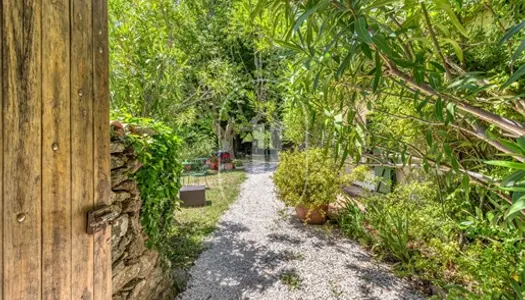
point(54, 158)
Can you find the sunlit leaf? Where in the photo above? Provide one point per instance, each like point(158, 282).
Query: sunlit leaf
point(457, 48)
point(516, 207)
point(517, 74)
point(506, 164)
point(306, 14)
point(443, 4)
point(513, 179)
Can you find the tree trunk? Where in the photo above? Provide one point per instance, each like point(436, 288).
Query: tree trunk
point(225, 136)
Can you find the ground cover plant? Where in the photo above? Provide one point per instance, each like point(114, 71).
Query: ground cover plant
point(464, 251)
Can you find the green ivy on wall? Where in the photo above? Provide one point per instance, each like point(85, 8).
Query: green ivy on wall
point(158, 180)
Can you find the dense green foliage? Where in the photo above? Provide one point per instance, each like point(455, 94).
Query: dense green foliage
point(439, 240)
point(308, 178)
point(158, 179)
point(197, 66)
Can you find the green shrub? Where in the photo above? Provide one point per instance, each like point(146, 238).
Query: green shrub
point(473, 254)
point(308, 179)
point(392, 233)
point(158, 179)
point(352, 222)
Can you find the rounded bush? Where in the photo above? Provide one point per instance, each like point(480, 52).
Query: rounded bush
point(309, 178)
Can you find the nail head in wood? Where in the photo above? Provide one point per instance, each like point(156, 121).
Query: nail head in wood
point(20, 218)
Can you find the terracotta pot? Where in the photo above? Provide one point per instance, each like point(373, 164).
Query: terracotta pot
point(228, 166)
point(314, 216)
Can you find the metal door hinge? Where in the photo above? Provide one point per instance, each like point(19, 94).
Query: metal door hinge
point(99, 218)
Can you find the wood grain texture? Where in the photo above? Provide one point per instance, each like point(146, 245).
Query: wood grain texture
point(22, 108)
point(81, 147)
point(102, 255)
point(56, 151)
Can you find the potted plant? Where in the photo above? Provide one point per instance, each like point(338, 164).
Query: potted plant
point(239, 164)
point(308, 181)
point(214, 163)
point(228, 166)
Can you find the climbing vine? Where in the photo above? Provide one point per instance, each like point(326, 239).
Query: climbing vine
point(158, 179)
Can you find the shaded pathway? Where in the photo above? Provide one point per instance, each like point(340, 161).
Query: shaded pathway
point(259, 246)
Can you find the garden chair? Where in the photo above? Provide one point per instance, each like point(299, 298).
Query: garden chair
point(200, 172)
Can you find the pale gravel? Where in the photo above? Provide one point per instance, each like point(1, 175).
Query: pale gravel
point(258, 240)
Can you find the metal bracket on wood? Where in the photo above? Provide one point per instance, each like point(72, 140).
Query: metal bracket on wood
point(99, 218)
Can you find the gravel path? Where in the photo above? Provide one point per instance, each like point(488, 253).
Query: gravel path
point(259, 246)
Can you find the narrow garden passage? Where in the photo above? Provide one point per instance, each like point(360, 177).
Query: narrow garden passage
point(261, 251)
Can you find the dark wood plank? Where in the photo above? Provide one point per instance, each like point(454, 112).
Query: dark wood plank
point(22, 108)
point(1, 165)
point(56, 151)
point(102, 256)
point(81, 147)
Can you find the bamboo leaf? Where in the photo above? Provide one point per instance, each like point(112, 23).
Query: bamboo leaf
point(444, 5)
point(379, 3)
point(513, 179)
point(429, 138)
point(306, 14)
point(451, 108)
point(455, 164)
point(512, 146)
point(512, 31)
point(366, 50)
point(422, 104)
point(361, 28)
point(435, 80)
point(516, 207)
point(438, 109)
point(448, 151)
point(457, 48)
point(520, 49)
point(382, 44)
point(521, 143)
point(513, 189)
point(465, 182)
point(506, 164)
point(289, 46)
point(514, 76)
point(378, 72)
point(344, 64)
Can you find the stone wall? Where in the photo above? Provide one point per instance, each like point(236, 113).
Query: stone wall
point(137, 271)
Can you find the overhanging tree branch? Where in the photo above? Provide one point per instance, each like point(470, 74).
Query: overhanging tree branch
point(487, 116)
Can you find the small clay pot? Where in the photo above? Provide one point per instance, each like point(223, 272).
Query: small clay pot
point(314, 216)
point(228, 166)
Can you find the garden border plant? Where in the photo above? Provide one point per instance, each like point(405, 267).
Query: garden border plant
point(439, 242)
